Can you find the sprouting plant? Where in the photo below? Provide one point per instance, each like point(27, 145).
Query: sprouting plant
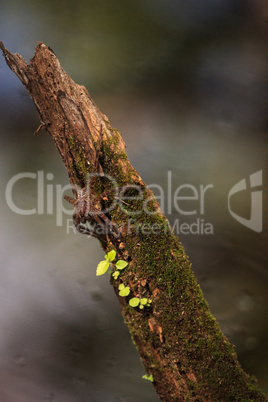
point(124, 290)
point(135, 302)
point(104, 265)
point(121, 264)
point(148, 377)
point(115, 274)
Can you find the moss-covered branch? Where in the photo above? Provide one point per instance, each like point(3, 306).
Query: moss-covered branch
point(178, 339)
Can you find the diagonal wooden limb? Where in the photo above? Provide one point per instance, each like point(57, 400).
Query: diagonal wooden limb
point(179, 341)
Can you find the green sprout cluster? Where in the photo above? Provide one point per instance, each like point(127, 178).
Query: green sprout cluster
point(123, 290)
point(135, 302)
point(104, 265)
point(148, 377)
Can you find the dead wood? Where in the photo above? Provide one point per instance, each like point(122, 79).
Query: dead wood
point(178, 339)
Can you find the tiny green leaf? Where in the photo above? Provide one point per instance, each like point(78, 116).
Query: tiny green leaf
point(134, 302)
point(121, 264)
point(102, 267)
point(148, 377)
point(124, 292)
point(121, 286)
point(144, 301)
point(141, 306)
point(111, 255)
point(116, 274)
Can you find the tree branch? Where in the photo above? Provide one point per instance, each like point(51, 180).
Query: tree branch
point(178, 339)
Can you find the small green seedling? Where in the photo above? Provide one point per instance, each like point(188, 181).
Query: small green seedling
point(121, 264)
point(148, 377)
point(116, 274)
point(135, 302)
point(123, 290)
point(104, 265)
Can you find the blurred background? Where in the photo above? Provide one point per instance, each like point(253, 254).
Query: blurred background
point(185, 82)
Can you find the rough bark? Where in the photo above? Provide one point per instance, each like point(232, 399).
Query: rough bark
point(178, 339)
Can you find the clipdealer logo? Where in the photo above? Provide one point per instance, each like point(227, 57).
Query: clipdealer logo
point(255, 220)
point(185, 200)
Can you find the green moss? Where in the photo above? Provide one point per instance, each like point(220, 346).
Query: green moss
point(111, 158)
point(95, 144)
point(193, 340)
point(190, 331)
point(79, 164)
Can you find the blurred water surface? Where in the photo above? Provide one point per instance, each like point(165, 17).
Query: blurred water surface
point(186, 85)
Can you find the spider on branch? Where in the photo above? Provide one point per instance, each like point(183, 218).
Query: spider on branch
point(87, 209)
